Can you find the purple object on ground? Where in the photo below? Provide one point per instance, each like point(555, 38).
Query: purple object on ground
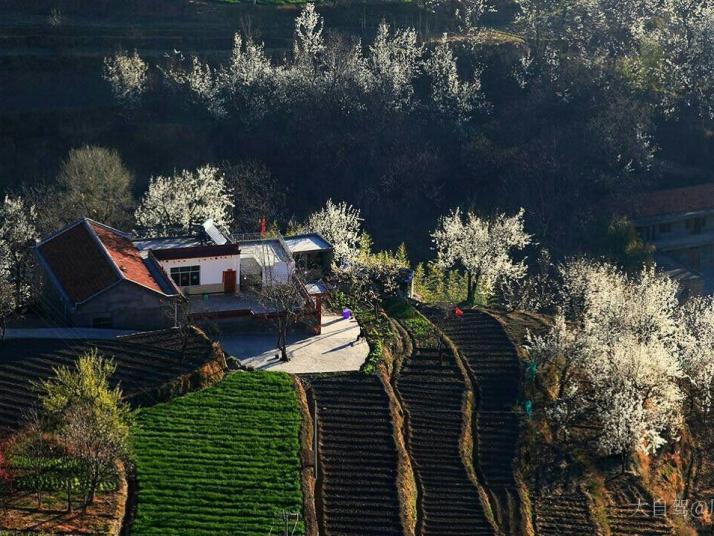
point(346, 314)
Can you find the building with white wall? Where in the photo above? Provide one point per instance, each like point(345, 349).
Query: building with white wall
point(212, 273)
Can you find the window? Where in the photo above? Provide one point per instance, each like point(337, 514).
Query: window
point(665, 228)
point(695, 225)
point(186, 276)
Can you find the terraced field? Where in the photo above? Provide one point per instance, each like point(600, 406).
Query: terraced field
point(357, 479)
point(432, 390)
point(563, 515)
point(224, 460)
point(145, 362)
point(631, 511)
point(493, 361)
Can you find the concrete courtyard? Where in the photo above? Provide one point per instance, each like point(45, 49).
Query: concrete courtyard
point(334, 350)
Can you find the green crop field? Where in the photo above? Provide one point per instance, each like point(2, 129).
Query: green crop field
point(224, 460)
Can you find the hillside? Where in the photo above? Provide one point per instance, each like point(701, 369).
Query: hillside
point(52, 95)
point(150, 367)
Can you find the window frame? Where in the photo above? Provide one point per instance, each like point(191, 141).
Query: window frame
point(186, 276)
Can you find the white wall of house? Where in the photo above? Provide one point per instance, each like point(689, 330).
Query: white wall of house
point(212, 268)
point(279, 272)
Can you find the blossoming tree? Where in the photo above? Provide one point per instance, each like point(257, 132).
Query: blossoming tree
point(186, 198)
point(482, 247)
point(341, 225)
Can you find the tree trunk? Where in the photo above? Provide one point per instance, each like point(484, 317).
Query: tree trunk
point(471, 294)
point(93, 484)
point(625, 457)
point(283, 341)
point(69, 495)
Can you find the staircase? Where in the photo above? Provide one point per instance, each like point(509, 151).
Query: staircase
point(357, 458)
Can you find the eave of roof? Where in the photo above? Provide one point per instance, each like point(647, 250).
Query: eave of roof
point(195, 252)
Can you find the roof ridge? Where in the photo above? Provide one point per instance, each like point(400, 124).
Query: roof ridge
point(103, 247)
point(121, 233)
point(60, 231)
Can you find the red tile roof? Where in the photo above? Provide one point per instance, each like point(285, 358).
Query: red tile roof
point(126, 257)
point(78, 262)
point(87, 257)
point(673, 201)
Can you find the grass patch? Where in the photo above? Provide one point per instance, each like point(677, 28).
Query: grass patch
point(224, 460)
point(419, 327)
point(379, 335)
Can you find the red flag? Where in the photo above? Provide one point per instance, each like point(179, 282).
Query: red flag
point(458, 312)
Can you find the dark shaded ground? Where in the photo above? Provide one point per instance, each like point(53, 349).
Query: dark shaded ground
point(145, 363)
point(52, 96)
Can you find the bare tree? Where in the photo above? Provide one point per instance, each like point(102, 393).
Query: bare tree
point(31, 446)
point(257, 194)
point(96, 183)
point(285, 302)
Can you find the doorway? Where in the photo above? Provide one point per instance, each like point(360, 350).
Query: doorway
point(229, 281)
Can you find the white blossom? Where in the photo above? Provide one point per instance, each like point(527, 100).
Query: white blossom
point(483, 247)
point(336, 71)
point(449, 94)
point(698, 350)
point(394, 62)
point(309, 42)
point(619, 357)
point(341, 225)
point(636, 394)
point(127, 76)
point(17, 238)
point(188, 197)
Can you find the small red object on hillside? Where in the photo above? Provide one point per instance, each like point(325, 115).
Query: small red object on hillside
point(458, 312)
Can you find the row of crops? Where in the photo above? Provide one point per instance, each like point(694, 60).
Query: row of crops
point(224, 460)
point(144, 362)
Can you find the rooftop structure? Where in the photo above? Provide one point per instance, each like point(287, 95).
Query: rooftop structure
point(107, 258)
point(306, 243)
point(105, 279)
point(671, 204)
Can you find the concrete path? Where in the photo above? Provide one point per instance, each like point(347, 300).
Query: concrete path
point(64, 333)
point(333, 351)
